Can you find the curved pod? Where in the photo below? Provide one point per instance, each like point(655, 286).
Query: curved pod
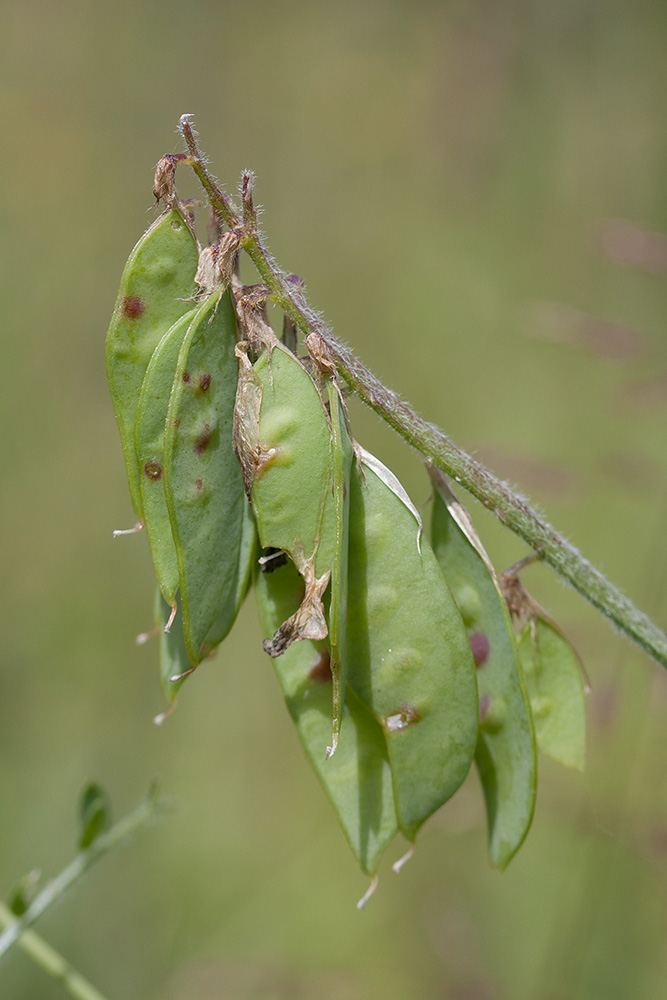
point(357, 779)
point(408, 656)
point(505, 755)
point(211, 524)
point(149, 443)
point(283, 439)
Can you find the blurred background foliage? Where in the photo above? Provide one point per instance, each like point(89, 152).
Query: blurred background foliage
point(475, 195)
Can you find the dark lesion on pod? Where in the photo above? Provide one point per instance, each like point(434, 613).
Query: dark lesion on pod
point(203, 440)
point(204, 382)
point(133, 307)
point(320, 672)
point(153, 471)
point(480, 647)
point(186, 378)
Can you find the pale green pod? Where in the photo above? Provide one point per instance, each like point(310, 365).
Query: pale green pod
point(408, 655)
point(505, 754)
point(284, 443)
point(556, 690)
point(357, 779)
point(202, 479)
point(155, 289)
point(149, 443)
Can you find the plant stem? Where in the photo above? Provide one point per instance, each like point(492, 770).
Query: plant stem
point(51, 961)
point(432, 443)
point(15, 928)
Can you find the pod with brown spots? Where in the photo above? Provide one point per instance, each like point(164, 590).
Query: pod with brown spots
point(155, 289)
point(211, 523)
point(149, 443)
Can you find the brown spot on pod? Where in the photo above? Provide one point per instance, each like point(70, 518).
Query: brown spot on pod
point(199, 483)
point(176, 423)
point(203, 440)
point(480, 648)
point(153, 470)
point(204, 382)
point(186, 378)
point(133, 307)
point(401, 719)
point(320, 672)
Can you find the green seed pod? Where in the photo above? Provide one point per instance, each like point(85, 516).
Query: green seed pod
point(505, 755)
point(357, 780)
point(282, 437)
point(408, 655)
point(556, 690)
point(210, 522)
point(157, 282)
point(149, 442)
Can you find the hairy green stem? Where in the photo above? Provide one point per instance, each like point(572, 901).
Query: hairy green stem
point(15, 927)
point(432, 443)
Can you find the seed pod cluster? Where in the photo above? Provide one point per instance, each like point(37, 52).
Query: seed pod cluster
point(396, 654)
point(172, 375)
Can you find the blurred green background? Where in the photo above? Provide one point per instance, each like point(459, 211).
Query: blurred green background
point(474, 194)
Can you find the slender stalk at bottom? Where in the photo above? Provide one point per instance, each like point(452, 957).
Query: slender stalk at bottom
point(51, 961)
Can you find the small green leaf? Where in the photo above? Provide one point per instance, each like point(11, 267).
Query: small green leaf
point(23, 892)
point(94, 814)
